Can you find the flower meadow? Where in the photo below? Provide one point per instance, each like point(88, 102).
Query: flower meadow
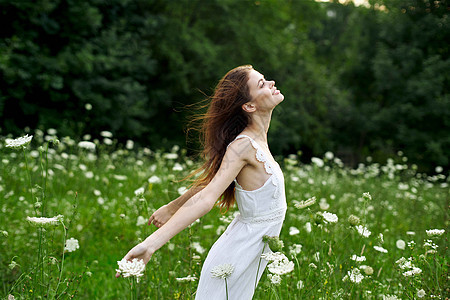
point(72, 209)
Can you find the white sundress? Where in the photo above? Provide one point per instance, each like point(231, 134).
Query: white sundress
point(261, 212)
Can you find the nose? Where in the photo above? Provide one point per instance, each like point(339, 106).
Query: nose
point(271, 83)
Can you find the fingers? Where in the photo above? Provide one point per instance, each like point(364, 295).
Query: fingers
point(117, 275)
point(157, 223)
point(151, 219)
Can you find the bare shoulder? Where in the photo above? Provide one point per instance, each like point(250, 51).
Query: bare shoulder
point(240, 149)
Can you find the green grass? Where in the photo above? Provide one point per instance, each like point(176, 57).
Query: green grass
point(95, 193)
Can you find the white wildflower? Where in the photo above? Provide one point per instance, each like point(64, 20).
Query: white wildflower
point(412, 272)
point(306, 203)
point(222, 271)
point(329, 217)
point(86, 145)
point(273, 256)
point(358, 258)
point(430, 244)
point(400, 244)
point(323, 204)
point(106, 134)
point(12, 265)
point(317, 161)
point(403, 263)
point(380, 249)
point(390, 297)
point(435, 232)
point(300, 285)
point(134, 268)
point(71, 245)
point(329, 155)
point(281, 267)
point(381, 238)
point(362, 230)
point(186, 279)
point(45, 222)
point(141, 221)
point(367, 196)
point(355, 275)
point(198, 247)
point(421, 293)
point(403, 186)
point(177, 167)
point(139, 192)
point(367, 269)
point(120, 177)
point(18, 143)
point(295, 249)
point(308, 227)
point(274, 278)
point(317, 256)
point(293, 230)
point(170, 156)
point(154, 179)
point(100, 200)
point(129, 145)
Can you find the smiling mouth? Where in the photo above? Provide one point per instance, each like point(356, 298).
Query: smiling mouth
point(276, 92)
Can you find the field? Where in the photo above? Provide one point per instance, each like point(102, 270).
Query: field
point(98, 193)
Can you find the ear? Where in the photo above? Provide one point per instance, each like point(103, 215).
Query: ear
point(249, 107)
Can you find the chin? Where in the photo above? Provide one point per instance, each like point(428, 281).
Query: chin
point(282, 98)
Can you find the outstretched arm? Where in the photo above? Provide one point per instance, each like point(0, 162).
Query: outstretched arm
point(198, 205)
point(165, 212)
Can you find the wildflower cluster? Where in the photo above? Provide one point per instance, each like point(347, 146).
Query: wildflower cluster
point(408, 266)
point(354, 275)
point(222, 271)
point(133, 268)
point(305, 203)
point(45, 222)
point(71, 245)
point(279, 265)
point(18, 143)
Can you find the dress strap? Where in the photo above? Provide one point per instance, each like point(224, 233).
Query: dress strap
point(260, 154)
point(261, 157)
point(238, 137)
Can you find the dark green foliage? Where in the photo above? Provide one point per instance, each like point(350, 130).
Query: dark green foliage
point(356, 80)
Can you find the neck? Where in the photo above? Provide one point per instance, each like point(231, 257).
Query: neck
point(259, 126)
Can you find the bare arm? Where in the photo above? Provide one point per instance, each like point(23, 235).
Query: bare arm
point(197, 206)
point(165, 212)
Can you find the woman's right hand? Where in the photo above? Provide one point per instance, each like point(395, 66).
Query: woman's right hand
point(161, 216)
point(140, 251)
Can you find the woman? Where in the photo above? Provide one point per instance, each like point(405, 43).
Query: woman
point(238, 167)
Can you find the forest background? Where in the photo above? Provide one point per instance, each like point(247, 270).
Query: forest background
point(358, 80)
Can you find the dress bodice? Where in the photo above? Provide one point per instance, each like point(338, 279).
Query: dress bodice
point(267, 203)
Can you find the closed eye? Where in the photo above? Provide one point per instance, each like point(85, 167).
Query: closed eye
point(262, 82)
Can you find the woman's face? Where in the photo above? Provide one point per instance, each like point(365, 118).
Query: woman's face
point(264, 93)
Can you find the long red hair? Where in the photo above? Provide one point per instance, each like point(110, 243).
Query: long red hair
point(222, 122)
